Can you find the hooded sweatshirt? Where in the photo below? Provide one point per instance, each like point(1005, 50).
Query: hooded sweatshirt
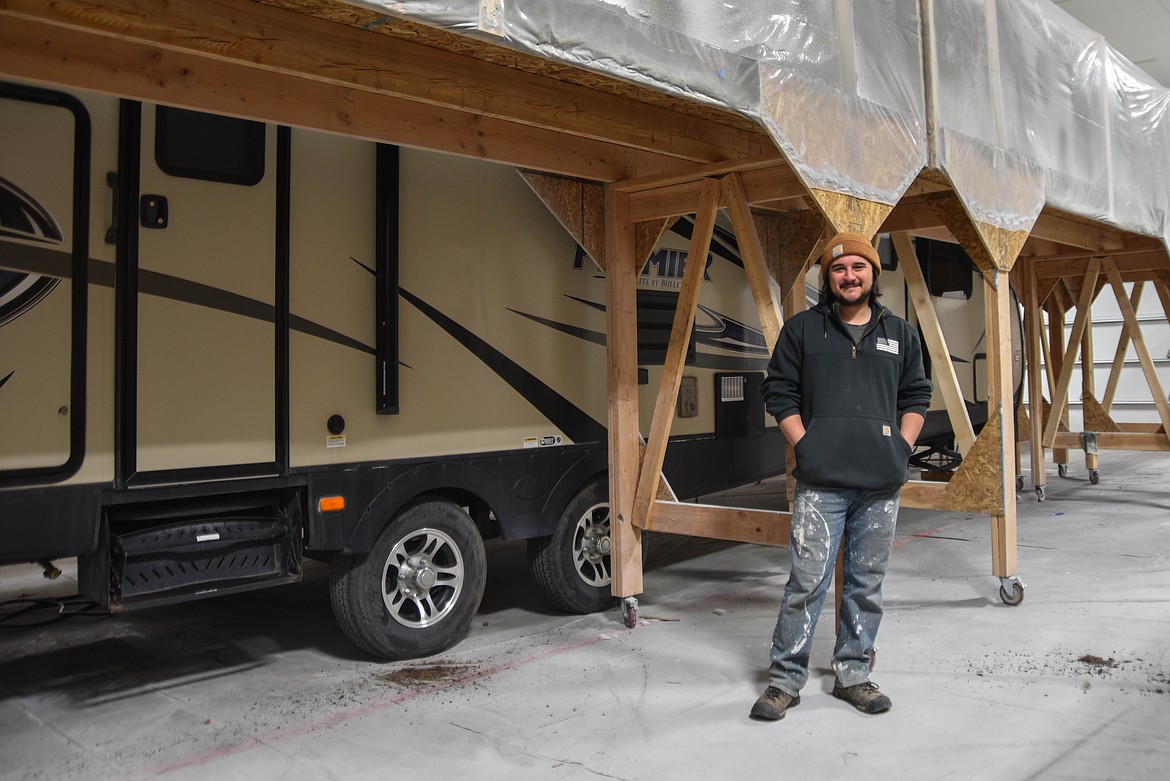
point(849, 396)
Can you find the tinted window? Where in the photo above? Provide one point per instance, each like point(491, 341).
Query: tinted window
point(195, 145)
point(948, 269)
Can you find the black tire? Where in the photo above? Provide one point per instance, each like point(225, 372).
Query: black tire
point(418, 589)
point(572, 567)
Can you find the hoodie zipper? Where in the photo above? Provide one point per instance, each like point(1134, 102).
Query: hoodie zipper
point(853, 345)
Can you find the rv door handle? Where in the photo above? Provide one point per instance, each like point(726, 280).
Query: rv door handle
point(112, 231)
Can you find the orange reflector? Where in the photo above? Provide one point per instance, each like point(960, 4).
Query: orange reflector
point(331, 504)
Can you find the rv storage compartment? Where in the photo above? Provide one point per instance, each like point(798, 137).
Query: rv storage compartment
point(164, 553)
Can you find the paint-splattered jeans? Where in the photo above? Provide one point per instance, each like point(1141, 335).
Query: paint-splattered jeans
point(820, 518)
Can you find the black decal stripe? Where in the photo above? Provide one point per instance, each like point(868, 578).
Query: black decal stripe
point(562, 413)
point(581, 333)
point(685, 227)
point(55, 263)
point(6, 378)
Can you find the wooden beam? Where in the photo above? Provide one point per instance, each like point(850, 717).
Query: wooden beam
point(676, 352)
point(1060, 393)
point(669, 201)
point(621, 327)
point(45, 53)
point(1139, 344)
point(1065, 230)
point(936, 343)
point(1116, 441)
point(752, 254)
point(710, 170)
point(277, 40)
point(762, 527)
point(1127, 265)
point(679, 194)
point(922, 494)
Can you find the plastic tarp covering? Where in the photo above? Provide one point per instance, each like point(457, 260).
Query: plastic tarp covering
point(1032, 108)
point(1028, 107)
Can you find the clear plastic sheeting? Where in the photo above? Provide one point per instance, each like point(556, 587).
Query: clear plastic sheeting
point(1033, 108)
point(1026, 106)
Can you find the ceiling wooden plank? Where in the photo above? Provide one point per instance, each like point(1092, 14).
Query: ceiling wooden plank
point(277, 40)
point(1065, 230)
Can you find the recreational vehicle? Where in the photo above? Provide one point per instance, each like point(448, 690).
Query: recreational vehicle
point(227, 346)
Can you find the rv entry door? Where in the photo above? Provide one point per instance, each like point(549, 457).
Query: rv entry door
point(206, 328)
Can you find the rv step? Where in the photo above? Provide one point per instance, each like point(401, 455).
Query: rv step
point(196, 558)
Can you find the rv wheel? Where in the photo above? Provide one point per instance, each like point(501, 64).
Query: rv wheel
point(416, 592)
point(571, 567)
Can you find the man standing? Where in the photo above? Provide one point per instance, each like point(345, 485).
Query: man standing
point(847, 386)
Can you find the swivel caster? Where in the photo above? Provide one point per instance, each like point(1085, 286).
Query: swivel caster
point(1039, 493)
point(1062, 470)
point(630, 612)
point(1019, 482)
point(1094, 476)
point(1011, 591)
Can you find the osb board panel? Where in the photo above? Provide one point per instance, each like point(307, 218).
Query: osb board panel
point(1062, 426)
point(977, 485)
point(789, 239)
point(646, 236)
point(848, 213)
point(579, 206)
point(369, 19)
point(990, 248)
point(1096, 418)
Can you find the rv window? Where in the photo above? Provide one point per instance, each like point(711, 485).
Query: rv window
point(195, 145)
point(948, 270)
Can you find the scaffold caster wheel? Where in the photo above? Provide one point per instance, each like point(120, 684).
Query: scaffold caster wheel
point(1039, 493)
point(1094, 476)
point(630, 612)
point(1062, 470)
point(1019, 482)
point(1011, 591)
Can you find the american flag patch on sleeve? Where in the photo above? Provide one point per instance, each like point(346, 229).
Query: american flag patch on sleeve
point(888, 345)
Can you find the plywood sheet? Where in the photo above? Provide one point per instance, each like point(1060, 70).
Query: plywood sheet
point(977, 485)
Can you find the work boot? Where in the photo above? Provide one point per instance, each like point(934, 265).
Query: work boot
point(863, 696)
point(773, 704)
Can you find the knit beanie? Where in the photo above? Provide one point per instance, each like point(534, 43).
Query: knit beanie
point(849, 244)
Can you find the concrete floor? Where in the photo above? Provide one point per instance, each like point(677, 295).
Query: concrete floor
point(1072, 684)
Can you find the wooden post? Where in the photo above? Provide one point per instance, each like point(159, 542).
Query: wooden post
point(621, 325)
point(997, 297)
point(1055, 365)
point(1033, 328)
point(1088, 384)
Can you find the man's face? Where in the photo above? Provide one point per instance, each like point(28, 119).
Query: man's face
point(851, 279)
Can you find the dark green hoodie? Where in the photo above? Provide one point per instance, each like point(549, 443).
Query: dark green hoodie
point(849, 397)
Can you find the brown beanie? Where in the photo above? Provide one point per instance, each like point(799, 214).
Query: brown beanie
point(849, 244)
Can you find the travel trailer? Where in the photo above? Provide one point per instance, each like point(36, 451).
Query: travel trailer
point(227, 346)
